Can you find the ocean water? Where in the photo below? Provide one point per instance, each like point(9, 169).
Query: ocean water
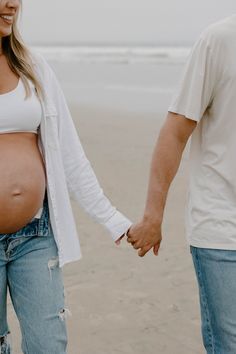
point(125, 78)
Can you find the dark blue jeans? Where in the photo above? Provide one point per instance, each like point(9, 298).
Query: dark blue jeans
point(29, 268)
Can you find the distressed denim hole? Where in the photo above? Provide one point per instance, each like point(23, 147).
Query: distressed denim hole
point(5, 343)
point(64, 313)
point(53, 263)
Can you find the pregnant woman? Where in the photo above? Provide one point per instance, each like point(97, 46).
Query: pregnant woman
point(42, 164)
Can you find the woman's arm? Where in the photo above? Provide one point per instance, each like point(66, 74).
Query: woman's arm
point(81, 179)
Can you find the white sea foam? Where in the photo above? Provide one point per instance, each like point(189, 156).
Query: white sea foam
point(112, 54)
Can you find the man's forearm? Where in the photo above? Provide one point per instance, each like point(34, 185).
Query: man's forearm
point(166, 159)
point(165, 163)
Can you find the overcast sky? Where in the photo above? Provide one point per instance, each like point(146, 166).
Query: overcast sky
point(159, 22)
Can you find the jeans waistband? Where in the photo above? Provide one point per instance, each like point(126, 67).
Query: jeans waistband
point(36, 227)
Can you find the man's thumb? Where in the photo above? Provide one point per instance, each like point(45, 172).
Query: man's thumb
point(156, 249)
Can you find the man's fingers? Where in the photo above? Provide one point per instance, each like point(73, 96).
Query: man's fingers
point(131, 240)
point(144, 250)
point(136, 245)
point(156, 249)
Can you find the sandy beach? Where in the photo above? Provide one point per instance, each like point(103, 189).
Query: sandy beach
point(121, 303)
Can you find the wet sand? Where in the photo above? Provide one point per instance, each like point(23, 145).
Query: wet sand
point(121, 303)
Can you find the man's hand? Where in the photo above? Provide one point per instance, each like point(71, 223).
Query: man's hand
point(144, 236)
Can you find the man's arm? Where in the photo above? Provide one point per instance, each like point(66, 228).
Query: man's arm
point(166, 159)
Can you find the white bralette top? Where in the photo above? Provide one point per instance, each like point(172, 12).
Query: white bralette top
point(18, 114)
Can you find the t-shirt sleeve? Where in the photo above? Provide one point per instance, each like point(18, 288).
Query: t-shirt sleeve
point(196, 88)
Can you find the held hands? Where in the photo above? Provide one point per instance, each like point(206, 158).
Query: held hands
point(143, 236)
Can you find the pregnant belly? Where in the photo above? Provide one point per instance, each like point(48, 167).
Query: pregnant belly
point(22, 180)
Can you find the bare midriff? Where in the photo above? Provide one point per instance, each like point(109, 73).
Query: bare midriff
point(22, 180)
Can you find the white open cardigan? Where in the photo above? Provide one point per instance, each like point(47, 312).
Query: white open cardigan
point(68, 171)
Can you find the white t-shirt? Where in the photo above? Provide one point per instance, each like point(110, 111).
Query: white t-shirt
point(207, 94)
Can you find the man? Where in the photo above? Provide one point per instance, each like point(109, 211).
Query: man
point(204, 107)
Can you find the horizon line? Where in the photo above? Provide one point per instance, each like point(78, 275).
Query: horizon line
point(107, 45)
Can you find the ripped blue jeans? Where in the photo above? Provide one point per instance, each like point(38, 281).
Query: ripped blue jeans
point(29, 270)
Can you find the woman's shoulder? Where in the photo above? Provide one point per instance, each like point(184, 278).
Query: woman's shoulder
point(44, 72)
point(36, 57)
point(47, 77)
point(40, 64)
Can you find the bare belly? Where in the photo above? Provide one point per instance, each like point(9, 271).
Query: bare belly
point(22, 180)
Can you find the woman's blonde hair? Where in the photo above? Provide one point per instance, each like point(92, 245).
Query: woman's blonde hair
point(19, 58)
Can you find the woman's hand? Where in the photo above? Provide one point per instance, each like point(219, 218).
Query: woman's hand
point(144, 236)
point(119, 240)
